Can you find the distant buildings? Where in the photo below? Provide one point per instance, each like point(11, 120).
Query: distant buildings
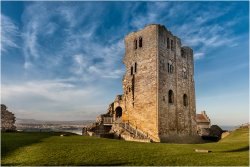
point(203, 123)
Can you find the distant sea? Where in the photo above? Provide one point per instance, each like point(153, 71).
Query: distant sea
point(76, 131)
point(79, 132)
point(229, 128)
point(33, 125)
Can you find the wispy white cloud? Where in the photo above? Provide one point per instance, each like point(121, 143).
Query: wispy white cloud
point(199, 55)
point(153, 14)
point(99, 60)
point(9, 33)
point(194, 29)
point(76, 44)
point(204, 36)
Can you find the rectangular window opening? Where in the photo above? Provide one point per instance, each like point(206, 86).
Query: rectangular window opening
point(172, 45)
point(168, 43)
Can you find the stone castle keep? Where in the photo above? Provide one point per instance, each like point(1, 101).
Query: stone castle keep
point(158, 101)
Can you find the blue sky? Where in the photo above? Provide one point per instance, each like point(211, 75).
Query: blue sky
point(63, 60)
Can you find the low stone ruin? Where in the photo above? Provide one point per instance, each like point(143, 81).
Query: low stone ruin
point(7, 120)
point(213, 133)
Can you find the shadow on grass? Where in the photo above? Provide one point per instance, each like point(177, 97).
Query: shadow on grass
point(14, 140)
point(239, 149)
point(10, 164)
point(108, 164)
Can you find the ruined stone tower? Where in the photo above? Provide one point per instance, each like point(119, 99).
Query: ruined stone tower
point(158, 101)
point(159, 93)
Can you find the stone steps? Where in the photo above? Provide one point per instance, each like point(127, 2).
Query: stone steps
point(127, 132)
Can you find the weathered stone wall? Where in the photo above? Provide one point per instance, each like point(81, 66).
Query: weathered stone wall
point(149, 78)
point(140, 81)
point(176, 73)
point(7, 119)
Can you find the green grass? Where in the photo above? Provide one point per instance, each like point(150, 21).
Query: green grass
point(48, 149)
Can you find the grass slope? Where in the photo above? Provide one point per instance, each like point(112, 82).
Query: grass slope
point(51, 149)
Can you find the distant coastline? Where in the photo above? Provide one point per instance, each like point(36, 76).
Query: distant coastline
point(32, 125)
point(228, 128)
point(75, 131)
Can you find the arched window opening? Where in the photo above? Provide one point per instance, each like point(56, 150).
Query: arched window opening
point(170, 67)
point(135, 67)
point(140, 42)
point(135, 44)
point(170, 96)
point(185, 100)
point(131, 71)
point(118, 112)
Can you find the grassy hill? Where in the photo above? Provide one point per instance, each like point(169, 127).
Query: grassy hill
point(48, 149)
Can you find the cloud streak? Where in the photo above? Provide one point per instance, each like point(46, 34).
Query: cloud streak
point(9, 34)
point(73, 43)
point(195, 29)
